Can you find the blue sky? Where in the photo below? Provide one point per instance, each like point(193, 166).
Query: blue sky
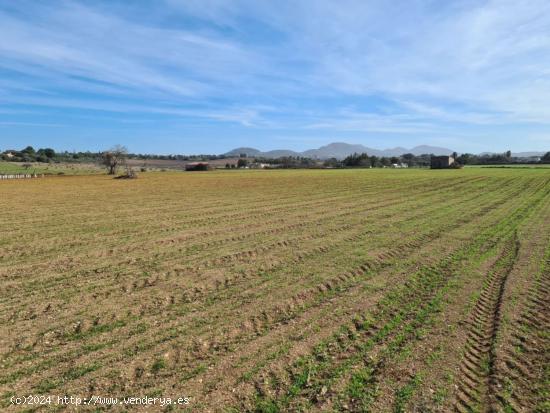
point(205, 76)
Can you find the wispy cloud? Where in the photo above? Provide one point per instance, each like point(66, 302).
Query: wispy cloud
point(76, 41)
point(49, 125)
point(378, 67)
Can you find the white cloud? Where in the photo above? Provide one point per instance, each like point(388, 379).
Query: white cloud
point(77, 41)
point(279, 64)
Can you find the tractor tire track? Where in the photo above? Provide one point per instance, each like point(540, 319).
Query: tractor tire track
point(524, 364)
point(477, 382)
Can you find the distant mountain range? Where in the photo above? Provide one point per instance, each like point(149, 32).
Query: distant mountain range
point(527, 154)
point(340, 150)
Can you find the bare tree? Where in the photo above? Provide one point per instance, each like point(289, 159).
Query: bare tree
point(113, 158)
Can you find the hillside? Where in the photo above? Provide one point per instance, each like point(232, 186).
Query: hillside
point(340, 150)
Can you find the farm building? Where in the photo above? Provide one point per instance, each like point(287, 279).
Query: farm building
point(197, 166)
point(441, 162)
point(259, 165)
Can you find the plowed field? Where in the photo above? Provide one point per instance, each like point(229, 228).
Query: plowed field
point(276, 291)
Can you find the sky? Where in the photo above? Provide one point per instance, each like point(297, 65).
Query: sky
point(206, 76)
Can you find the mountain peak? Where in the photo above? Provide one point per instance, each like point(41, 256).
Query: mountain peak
point(340, 150)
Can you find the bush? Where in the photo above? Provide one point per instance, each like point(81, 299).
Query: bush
point(129, 174)
point(42, 158)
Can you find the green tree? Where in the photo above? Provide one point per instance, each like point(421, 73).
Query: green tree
point(408, 158)
point(466, 159)
point(357, 160)
point(49, 152)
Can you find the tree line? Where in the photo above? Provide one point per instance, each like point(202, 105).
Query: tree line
point(411, 160)
point(29, 154)
point(48, 155)
point(356, 160)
